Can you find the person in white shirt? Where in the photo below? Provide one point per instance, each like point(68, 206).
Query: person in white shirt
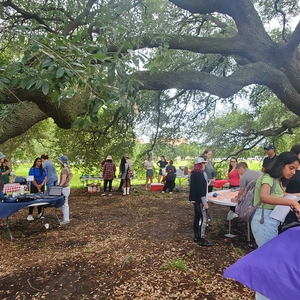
point(148, 166)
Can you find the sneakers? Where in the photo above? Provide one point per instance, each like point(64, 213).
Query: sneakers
point(171, 193)
point(203, 242)
point(40, 216)
point(64, 222)
point(103, 194)
point(30, 218)
point(163, 192)
point(110, 194)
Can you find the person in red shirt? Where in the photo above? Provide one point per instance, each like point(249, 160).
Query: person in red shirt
point(233, 176)
point(109, 169)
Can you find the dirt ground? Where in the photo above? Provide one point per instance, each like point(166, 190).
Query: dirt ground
point(121, 247)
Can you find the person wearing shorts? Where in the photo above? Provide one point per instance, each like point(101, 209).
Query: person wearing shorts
point(148, 166)
point(162, 163)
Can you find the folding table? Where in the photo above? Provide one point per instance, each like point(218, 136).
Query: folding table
point(9, 208)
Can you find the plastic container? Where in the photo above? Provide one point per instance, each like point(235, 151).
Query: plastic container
point(93, 188)
point(156, 186)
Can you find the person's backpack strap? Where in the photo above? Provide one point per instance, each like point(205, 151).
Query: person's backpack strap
point(262, 220)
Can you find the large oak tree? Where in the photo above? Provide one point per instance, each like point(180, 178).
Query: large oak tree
point(66, 60)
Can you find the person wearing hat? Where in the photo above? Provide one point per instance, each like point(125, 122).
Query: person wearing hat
point(126, 171)
point(51, 172)
point(270, 149)
point(198, 196)
point(64, 181)
point(109, 170)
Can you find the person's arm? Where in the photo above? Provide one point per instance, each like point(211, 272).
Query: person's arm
point(63, 179)
point(267, 198)
point(240, 194)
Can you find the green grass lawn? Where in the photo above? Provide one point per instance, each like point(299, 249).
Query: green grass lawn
point(22, 170)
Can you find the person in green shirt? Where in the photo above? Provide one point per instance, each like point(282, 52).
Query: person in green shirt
point(282, 169)
point(5, 171)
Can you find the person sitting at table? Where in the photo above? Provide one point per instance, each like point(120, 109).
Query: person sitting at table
point(232, 174)
point(246, 176)
point(5, 171)
point(37, 185)
point(198, 196)
point(65, 177)
point(170, 177)
point(51, 172)
point(233, 177)
point(109, 170)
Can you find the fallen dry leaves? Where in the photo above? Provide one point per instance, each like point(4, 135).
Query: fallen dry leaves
point(121, 247)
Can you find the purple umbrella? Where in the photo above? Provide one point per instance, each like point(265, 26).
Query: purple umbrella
point(273, 269)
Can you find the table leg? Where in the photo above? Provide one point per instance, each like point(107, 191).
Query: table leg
point(229, 230)
point(9, 232)
point(57, 216)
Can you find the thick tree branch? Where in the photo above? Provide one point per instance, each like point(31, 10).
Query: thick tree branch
point(23, 117)
point(26, 14)
point(224, 46)
point(243, 12)
point(257, 73)
point(63, 112)
point(73, 25)
point(293, 42)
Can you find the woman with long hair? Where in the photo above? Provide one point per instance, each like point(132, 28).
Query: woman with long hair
point(37, 185)
point(126, 171)
point(5, 171)
point(264, 227)
point(232, 174)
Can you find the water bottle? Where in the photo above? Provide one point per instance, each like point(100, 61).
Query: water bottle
point(22, 189)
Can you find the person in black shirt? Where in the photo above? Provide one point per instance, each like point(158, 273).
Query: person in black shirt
point(293, 185)
point(162, 163)
point(270, 149)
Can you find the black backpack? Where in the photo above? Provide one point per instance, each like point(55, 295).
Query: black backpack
point(21, 180)
point(291, 220)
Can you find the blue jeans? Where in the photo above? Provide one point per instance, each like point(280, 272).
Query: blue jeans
point(263, 233)
point(48, 186)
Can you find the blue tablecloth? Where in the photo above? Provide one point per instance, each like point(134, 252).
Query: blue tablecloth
point(7, 209)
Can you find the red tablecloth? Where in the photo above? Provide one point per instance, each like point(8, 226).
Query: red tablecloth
point(219, 183)
point(12, 187)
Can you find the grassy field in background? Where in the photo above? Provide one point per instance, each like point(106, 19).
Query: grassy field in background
point(22, 170)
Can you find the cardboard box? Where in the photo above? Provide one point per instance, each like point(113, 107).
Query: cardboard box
point(156, 186)
point(93, 188)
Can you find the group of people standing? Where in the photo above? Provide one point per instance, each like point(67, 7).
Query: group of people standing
point(44, 176)
point(109, 173)
point(279, 176)
point(166, 174)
